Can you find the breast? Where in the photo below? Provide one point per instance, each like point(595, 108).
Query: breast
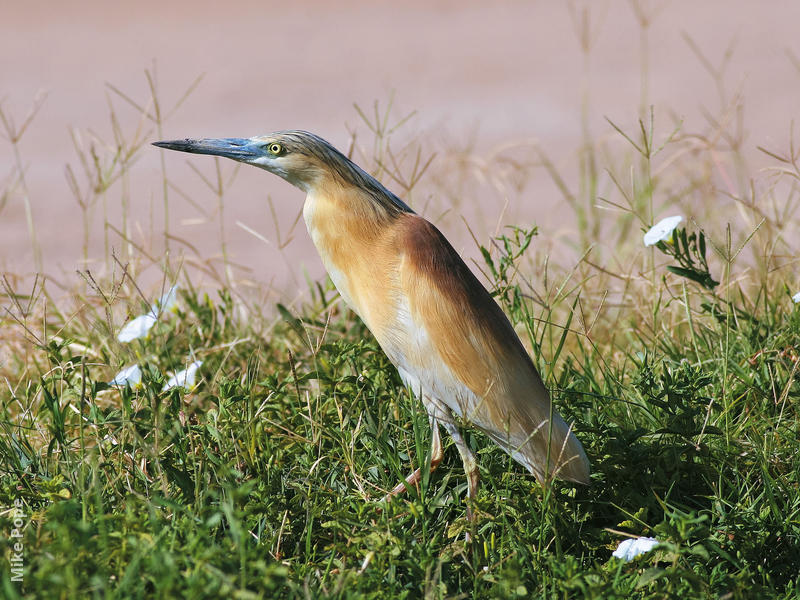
point(359, 256)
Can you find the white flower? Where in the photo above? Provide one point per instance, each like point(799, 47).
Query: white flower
point(130, 375)
point(661, 230)
point(630, 549)
point(183, 378)
point(796, 298)
point(167, 302)
point(141, 325)
point(137, 328)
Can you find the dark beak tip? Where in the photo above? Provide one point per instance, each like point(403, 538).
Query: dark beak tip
point(174, 144)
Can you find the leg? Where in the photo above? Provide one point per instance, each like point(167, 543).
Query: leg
point(470, 465)
point(436, 458)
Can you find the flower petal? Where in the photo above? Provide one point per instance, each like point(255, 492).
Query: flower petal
point(796, 298)
point(183, 378)
point(661, 230)
point(137, 328)
point(167, 302)
point(130, 375)
point(630, 549)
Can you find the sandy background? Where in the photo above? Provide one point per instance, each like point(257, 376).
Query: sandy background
point(478, 75)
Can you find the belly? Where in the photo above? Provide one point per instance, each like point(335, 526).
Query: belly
point(410, 348)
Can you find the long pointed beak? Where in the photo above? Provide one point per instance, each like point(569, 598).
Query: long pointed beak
point(241, 149)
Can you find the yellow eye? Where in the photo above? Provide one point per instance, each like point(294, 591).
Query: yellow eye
point(275, 149)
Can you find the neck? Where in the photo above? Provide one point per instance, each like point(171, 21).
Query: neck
point(341, 172)
point(344, 202)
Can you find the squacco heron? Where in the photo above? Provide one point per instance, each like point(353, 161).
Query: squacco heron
point(448, 338)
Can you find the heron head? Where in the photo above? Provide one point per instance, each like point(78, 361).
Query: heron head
point(299, 157)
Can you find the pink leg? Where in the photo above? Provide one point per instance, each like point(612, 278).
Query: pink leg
point(436, 458)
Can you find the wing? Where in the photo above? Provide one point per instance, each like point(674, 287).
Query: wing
point(469, 357)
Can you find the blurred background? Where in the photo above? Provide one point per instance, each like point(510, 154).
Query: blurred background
point(480, 114)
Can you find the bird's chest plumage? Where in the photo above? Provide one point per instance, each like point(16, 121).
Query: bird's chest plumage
point(325, 240)
point(359, 257)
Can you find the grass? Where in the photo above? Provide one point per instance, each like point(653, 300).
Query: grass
point(677, 363)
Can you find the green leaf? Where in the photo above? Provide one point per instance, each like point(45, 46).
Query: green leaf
point(649, 576)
